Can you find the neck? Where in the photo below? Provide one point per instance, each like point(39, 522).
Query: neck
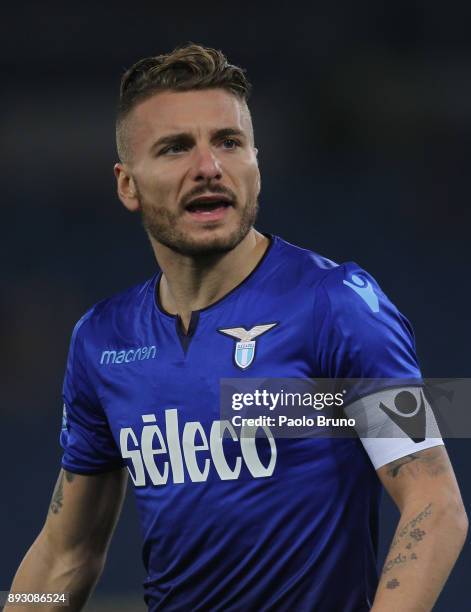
point(190, 283)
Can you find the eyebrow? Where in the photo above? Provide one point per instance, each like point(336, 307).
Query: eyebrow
point(189, 138)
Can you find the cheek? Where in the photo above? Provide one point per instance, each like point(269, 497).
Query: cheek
point(253, 179)
point(249, 175)
point(158, 188)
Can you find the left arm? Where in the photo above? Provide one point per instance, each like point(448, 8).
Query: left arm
point(431, 531)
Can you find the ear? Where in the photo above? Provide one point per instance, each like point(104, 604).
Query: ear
point(126, 187)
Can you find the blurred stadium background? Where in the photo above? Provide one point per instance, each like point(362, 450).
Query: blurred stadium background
point(362, 116)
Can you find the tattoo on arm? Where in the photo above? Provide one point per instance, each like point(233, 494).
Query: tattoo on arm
point(58, 495)
point(395, 466)
point(411, 525)
point(430, 462)
point(409, 535)
point(431, 459)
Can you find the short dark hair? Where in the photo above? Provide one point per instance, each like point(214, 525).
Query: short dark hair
point(186, 68)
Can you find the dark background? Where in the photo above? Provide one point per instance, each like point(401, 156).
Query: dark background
point(362, 114)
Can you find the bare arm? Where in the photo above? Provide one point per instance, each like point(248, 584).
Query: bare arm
point(431, 531)
point(70, 552)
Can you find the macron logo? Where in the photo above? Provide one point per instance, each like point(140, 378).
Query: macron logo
point(126, 356)
point(364, 289)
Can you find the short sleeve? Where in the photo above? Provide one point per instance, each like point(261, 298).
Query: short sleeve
point(86, 438)
point(363, 336)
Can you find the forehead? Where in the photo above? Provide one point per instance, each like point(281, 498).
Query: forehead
point(187, 111)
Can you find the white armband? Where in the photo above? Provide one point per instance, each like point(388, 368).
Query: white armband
point(393, 423)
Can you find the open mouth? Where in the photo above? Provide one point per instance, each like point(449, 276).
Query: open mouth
point(207, 205)
point(210, 208)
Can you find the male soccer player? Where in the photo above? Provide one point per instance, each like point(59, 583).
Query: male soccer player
point(232, 522)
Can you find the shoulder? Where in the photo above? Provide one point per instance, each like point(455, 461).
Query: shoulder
point(345, 285)
point(299, 257)
point(118, 314)
point(353, 298)
point(343, 296)
point(298, 265)
point(343, 290)
point(358, 330)
point(350, 288)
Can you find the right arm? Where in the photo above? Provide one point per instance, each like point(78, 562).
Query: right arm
point(69, 554)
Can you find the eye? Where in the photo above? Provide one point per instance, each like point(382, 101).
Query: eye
point(173, 149)
point(232, 143)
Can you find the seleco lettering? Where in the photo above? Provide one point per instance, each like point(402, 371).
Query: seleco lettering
point(182, 451)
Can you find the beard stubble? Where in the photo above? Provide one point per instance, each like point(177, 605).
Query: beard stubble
point(161, 225)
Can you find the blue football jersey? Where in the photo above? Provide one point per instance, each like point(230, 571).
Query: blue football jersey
point(233, 523)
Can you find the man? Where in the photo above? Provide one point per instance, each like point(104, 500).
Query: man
point(234, 522)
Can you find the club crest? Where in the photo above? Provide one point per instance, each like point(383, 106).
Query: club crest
point(244, 352)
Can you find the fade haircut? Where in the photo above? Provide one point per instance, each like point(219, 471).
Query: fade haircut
point(186, 68)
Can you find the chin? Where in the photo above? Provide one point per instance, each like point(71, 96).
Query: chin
point(217, 244)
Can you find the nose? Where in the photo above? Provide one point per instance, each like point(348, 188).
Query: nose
point(207, 166)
